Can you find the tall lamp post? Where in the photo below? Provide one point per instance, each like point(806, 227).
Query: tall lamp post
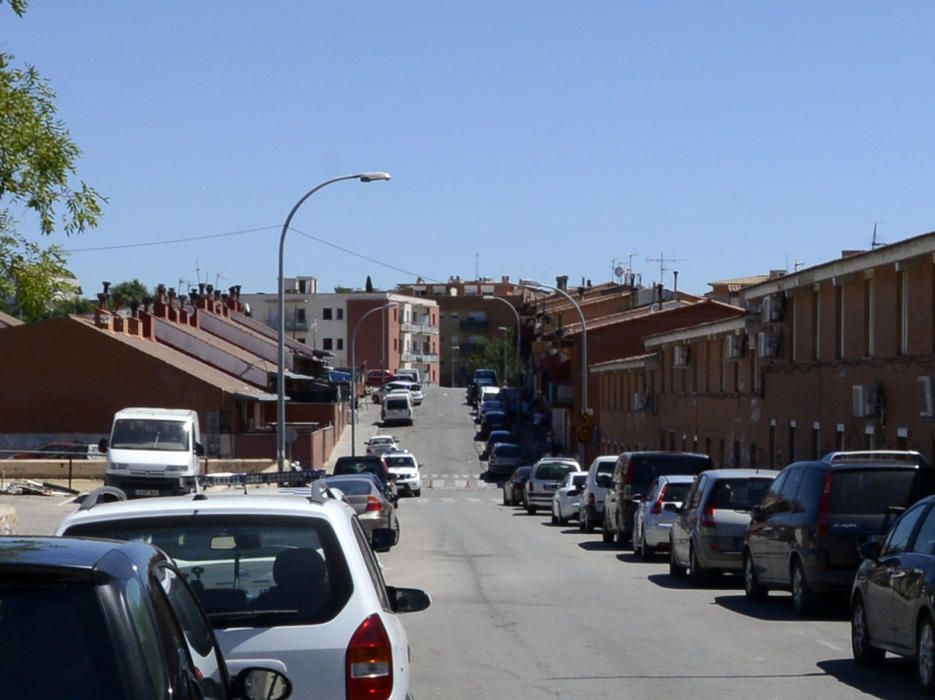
point(491, 297)
point(504, 330)
point(584, 347)
point(384, 307)
point(281, 364)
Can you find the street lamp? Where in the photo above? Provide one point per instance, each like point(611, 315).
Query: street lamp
point(584, 345)
point(491, 297)
point(281, 363)
point(504, 330)
point(354, 372)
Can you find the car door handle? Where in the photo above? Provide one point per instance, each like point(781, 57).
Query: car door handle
point(897, 574)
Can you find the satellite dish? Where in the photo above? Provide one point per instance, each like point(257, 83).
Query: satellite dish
point(618, 271)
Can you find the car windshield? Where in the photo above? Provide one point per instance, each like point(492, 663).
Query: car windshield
point(253, 571)
point(400, 461)
point(553, 471)
point(736, 494)
point(578, 479)
point(873, 491)
point(606, 467)
point(55, 642)
point(503, 450)
point(150, 434)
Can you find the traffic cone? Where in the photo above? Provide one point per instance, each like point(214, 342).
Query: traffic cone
point(467, 484)
point(430, 483)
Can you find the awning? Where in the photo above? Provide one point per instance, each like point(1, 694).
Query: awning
point(294, 375)
point(256, 396)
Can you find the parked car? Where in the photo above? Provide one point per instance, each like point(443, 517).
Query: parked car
point(365, 495)
point(381, 444)
point(707, 536)
point(493, 438)
point(281, 577)
point(633, 473)
point(514, 487)
point(406, 470)
point(654, 516)
point(378, 377)
point(544, 477)
point(485, 406)
point(804, 536)
point(90, 619)
point(373, 464)
point(417, 395)
point(893, 595)
point(397, 408)
point(409, 373)
point(493, 420)
point(600, 476)
point(396, 385)
point(504, 458)
point(567, 499)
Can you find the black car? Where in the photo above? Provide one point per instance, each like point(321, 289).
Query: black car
point(804, 536)
point(493, 420)
point(893, 596)
point(88, 619)
point(494, 437)
point(513, 488)
point(368, 464)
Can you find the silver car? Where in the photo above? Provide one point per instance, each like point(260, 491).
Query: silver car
point(567, 499)
point(654, 516)
point(545, 477)
point(707, 537)
point(363, 493)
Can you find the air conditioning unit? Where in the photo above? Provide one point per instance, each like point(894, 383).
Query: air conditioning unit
point(640, 401)
point(680, 356)
point(771, 309)
point(734, 347)
point(768, 345)
point(926, 404)
point(865, 400)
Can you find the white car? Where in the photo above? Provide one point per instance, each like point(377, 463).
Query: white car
point(567, 499)
point(417, 395)
point(544, 478)
point(600, 474)
point(406, 469)
point(652, 521)
point(381, 444)
point(282, 577)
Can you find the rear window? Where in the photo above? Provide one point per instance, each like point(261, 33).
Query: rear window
point(352, 465)
point(677, 492)
point(506, 450)
point(247, 571)
point(645, 468)
point(352, 487)
point(606, 467)
point(553, 471)
point(873, 491)
point(579, 479)
point(396, 405)
point(738, 494)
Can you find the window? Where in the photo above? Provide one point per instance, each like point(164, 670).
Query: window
point(869, 318)
point(771, 499)
point(795, 329)
point(327, 344)
point(300, 315)
point(791, 442)
point(340, 343)
point(809, 495)
point(326, 313)
point(898, 541)
point(925, 540)
point(790, 491)
point(340, 313)
point(816, 441)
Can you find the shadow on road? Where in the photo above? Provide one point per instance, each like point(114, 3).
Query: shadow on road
point(894, 678)
point(779, 608)
point(630, 558)
point(673, 582)
point(595, 546)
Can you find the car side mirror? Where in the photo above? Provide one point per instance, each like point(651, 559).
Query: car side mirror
point(870, 550)
point(102, 445)
point(406, 600)
point(257, 683)
point(757, 513)
point(199, 449)
point(382, 539)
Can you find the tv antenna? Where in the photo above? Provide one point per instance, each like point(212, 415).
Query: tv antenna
point(662, 260)
point(873, 242)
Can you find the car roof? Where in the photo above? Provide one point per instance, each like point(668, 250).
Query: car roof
point(504, 444)
point(739, 473)
point(75, 553)
point(677, 478)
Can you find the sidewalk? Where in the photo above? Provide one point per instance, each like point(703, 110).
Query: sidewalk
point(369, 412)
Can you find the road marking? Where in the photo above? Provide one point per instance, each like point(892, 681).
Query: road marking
point(448, 499)
point(474, 500)
point(834, 647)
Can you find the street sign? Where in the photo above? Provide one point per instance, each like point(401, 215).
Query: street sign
point(586, 421)
point(584, 435)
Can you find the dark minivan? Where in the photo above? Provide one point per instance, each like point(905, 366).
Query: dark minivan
point(633, 474)
point(804, 536)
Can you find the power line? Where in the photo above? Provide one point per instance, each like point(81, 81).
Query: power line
point(169, 241)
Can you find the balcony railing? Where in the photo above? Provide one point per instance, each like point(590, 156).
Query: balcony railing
point(422, 328)
point(418, 357)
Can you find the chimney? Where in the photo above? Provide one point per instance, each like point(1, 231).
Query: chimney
point(160, 308)
point(561, 281)
point(675, 283)
point(134, 308)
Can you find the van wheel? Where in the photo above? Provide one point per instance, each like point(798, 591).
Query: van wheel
point(751, 582)
point(804, 598)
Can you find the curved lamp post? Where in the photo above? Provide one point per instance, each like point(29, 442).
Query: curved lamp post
point(491, 297)
point(354, 397)
point(584, 346)
point(281, 363)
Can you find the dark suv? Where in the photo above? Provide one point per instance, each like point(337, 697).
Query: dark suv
point(368, 464)
point(633, 475)
point(83, 619)
point(804, 536)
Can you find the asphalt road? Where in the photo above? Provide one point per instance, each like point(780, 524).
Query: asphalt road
point(525, 609)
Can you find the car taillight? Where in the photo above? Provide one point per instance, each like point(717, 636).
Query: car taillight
point(824, 505)
point(373, 503)
point(369, 662)
point(707, 517)
point(657, 506)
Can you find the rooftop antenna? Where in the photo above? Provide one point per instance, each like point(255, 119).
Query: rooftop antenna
point(476, 273)
point(197, 272)
point(662, 260)
point(873, 242)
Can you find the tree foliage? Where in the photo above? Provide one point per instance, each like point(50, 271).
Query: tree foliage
point(498, 353)
point(37, 166)
point(125, 292)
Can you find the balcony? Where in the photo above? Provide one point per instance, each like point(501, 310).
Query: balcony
point(292, 325)
point(418, 357)
point(420, 328)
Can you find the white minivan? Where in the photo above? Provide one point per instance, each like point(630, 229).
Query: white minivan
point(397, 408)
point(410, 373)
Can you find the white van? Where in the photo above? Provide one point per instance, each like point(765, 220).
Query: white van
point(397, 408)
point(410, 373)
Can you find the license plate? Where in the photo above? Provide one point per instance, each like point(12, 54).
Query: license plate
point(145, 492)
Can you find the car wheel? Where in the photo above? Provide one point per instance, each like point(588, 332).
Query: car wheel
point(606, 535)
point(675, 569)
point(751, 583)
point(555, 520)
point(696, 573)
point(803, 598)
point(562, 520)
point(531, 509)
point(620, 537)
point(506, 501)
point(397, 531)
point(646, 552)
point(925, 655)
point(417, 492)
point(864, 653)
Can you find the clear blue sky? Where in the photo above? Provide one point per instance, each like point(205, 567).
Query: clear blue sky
point(545, 137)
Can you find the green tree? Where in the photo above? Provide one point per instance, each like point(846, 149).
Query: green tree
point(125, 292)
point(498, 353)
point(369, 285)
point(37, 166)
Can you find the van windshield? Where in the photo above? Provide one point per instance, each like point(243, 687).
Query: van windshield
point(873, 491)
point(151, 434)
